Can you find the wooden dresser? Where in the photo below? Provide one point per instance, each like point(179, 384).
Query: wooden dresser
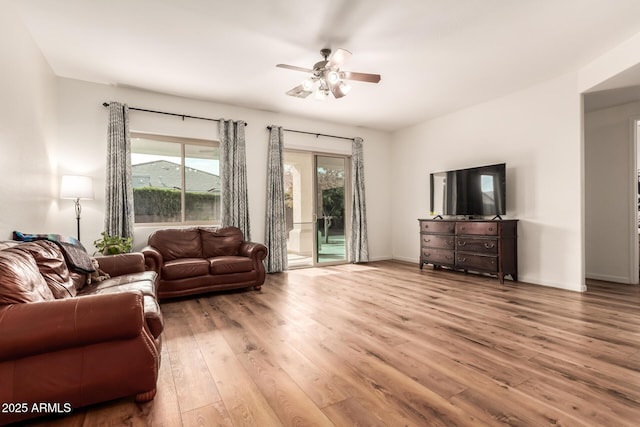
point(483, 246)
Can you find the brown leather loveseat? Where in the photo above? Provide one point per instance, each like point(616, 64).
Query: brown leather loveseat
point(196, 260)
point(66, 344)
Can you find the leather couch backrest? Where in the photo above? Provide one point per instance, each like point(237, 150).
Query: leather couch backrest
point(221, 242)
point(174, 243)
point(20, 279)
point(52, 266)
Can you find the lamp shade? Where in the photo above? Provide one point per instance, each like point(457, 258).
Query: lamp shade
point(76, 187)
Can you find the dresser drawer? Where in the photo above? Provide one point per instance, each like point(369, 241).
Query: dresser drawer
point(441, 227)
point(480, 262)
point(481, 228)
point(479, 245)
point(437, 256)
point(437, 241)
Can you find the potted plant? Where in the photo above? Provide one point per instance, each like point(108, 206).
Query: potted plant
point(112, 245)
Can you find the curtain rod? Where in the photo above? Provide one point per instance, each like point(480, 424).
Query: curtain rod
point(314, 133)
point(184, 116)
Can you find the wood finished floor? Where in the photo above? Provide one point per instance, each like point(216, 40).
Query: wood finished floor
point(389, 344)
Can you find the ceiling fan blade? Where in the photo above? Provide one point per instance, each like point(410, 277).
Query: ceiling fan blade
point(299, 92)
point(293, 67)
point(337, 91)
point(363, 77)
point(338, 58)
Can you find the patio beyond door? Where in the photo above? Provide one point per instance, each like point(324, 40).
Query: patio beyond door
point(316, 194)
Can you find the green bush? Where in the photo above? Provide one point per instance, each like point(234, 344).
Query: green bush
point(156, 201)
point(165, 205)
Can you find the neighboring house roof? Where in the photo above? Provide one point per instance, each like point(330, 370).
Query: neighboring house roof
point(164, 174)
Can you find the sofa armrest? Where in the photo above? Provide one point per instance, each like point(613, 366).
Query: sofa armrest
point(41, 327)
point(257, 251)
point(118, 265)
point(153, 260)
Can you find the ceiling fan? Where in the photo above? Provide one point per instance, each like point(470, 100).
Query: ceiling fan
point(326, 76)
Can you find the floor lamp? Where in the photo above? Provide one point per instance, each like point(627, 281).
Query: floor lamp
point(76, 187)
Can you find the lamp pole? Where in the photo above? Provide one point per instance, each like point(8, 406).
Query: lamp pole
point(78, 211)
point(76, 187)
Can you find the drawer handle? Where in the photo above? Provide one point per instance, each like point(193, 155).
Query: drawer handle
point(426, 240)
point(448, 242)
point(462, 259)
point(489, 245)
point(462, 243)
point(490, 229)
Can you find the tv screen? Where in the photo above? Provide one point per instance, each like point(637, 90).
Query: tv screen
point(479, 191)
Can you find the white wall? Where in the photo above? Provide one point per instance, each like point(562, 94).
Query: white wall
point(610, 212)
point(608, 162)
point(537, 132)
point(28, 189)
point(615, 68)
point(52, 126)
point(82, 123)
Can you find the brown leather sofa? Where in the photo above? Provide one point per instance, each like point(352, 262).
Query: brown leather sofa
point(65, 344)
point(196, 260)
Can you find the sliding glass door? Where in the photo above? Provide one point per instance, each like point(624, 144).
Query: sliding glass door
point(316, 194)
point(330, 209)
point(298, 193)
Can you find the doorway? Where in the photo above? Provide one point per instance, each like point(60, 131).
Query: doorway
point(636, 186)
point(611, 248)
point(316, 208)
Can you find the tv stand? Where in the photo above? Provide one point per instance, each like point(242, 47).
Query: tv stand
point(483, 246)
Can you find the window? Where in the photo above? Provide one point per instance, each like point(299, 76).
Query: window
point(175, 180)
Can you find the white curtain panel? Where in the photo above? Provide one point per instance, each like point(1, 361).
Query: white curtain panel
point(233, 176)
point(359, 245)
point(276, 226)
point(118, 191)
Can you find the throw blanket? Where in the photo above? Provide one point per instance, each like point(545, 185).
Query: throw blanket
point(73, 251)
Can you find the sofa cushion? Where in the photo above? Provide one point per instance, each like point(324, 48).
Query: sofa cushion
point(78, 279)
point(52, 266)
point(185, 267)
point(72, 249)
point(153, 315)
point(221, 242)
point(230, 264)
point(20, 279)
point(5, 244)
point(144, 281)
point(175, 243)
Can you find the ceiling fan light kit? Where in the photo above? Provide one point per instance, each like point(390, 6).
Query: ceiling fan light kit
point(326, 77)
point(344, 88)
point(307, 85)
point(321, 94)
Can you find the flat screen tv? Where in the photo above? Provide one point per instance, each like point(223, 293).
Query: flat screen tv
point(472, 192)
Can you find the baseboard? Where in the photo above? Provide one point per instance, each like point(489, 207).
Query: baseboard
point(551, 284)
point(609, 278)
point(405, 259)
point(381, 258)
point(536, 281)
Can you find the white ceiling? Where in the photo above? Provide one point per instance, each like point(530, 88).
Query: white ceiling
point(435, 56)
